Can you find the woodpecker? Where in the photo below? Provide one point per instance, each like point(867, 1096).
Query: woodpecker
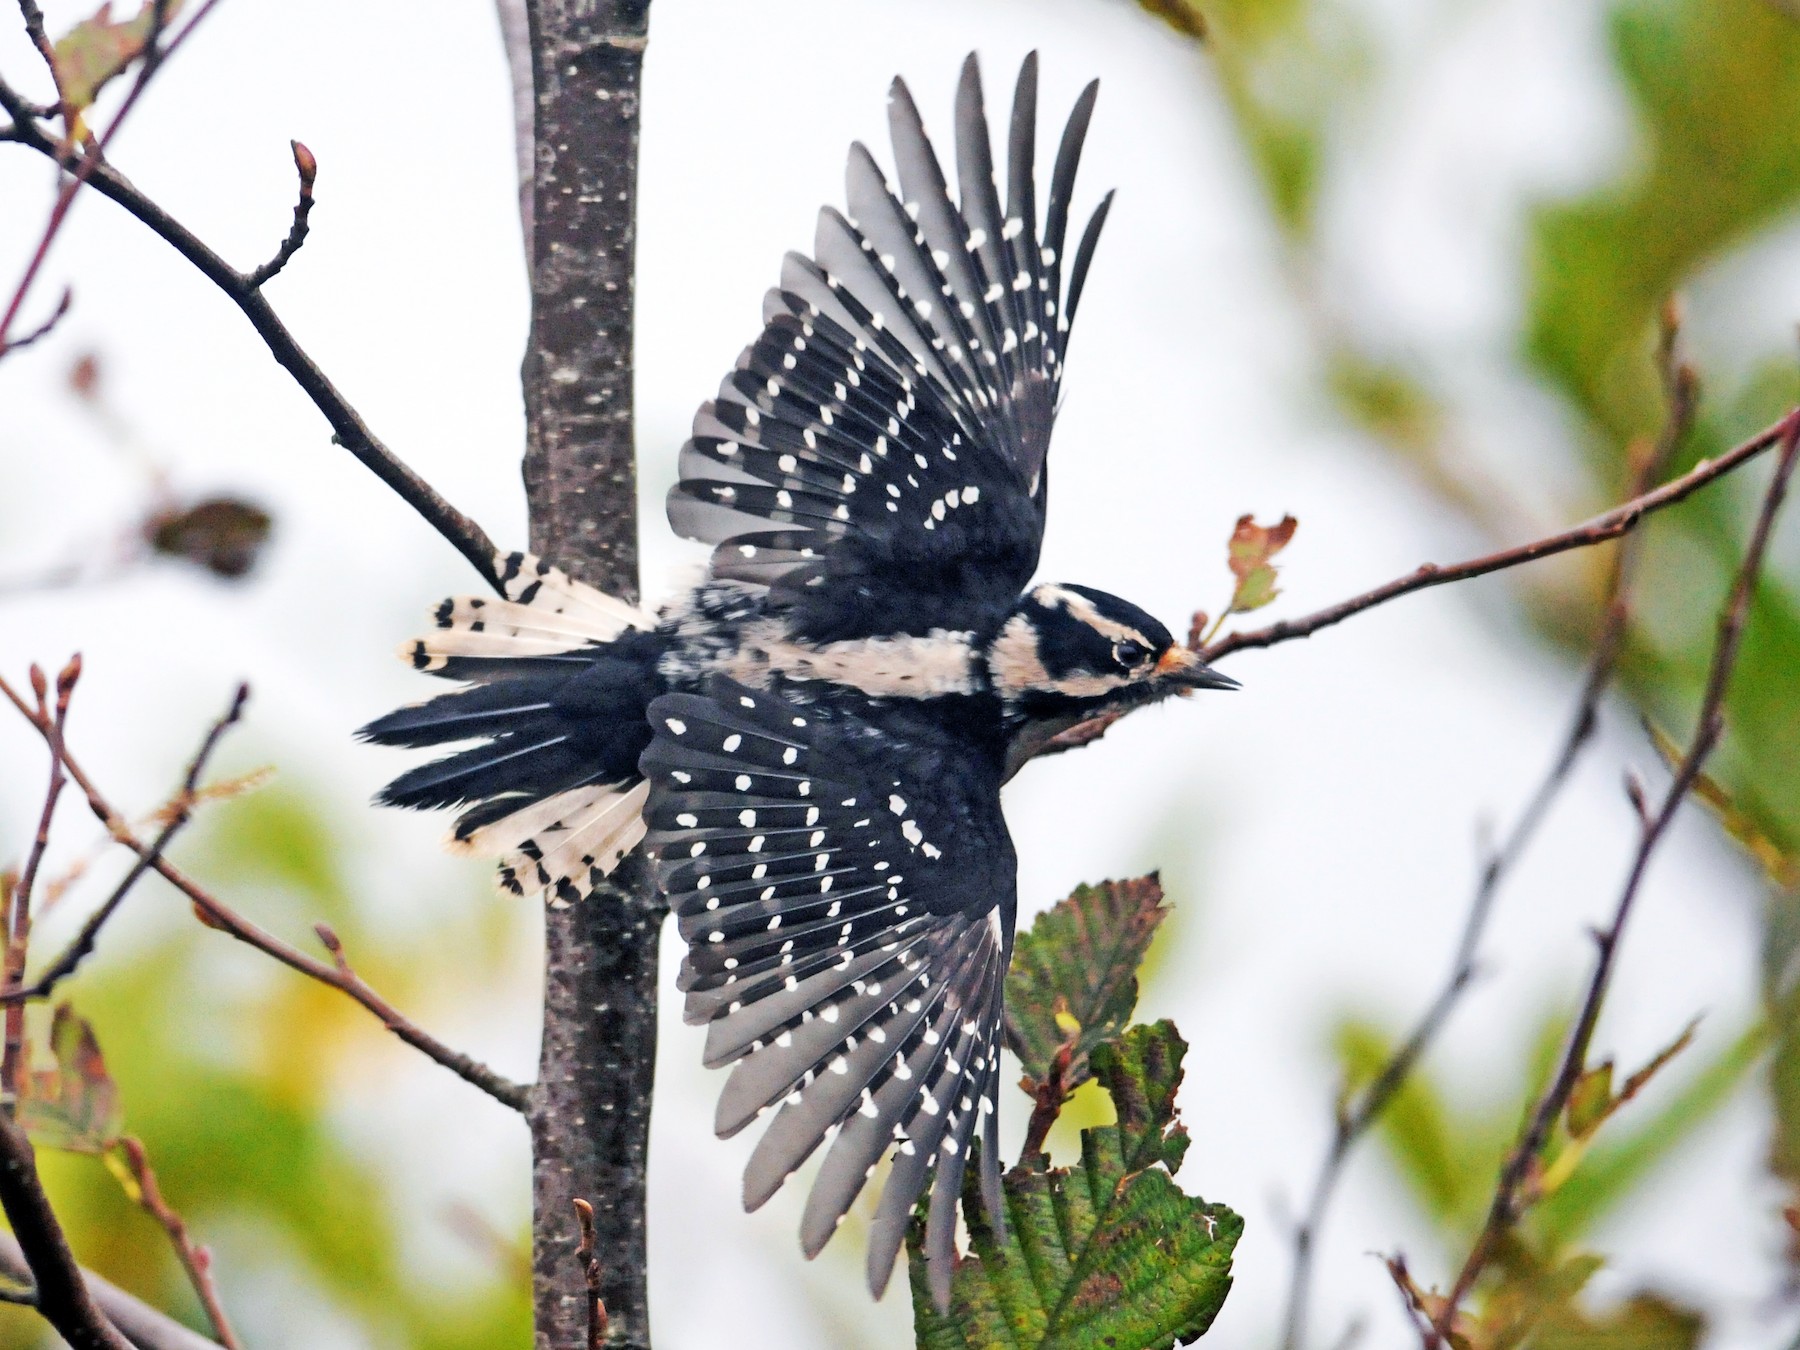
point(811, 743)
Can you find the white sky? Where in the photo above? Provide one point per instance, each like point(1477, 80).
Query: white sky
point(1315, 830)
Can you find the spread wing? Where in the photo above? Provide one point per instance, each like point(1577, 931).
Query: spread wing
point(878, 456)
point(849, 927)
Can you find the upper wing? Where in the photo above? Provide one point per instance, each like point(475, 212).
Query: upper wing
point(848, 901)
point(877, 457)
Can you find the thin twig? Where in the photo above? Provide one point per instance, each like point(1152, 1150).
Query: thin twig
point(308, 168)
point(348, 428)
point(1620, 520)
point(1355, 1119)
point(178, 815)
point(92, 157)
point(197, 1261)
point(62, 1295)
point(51, 722)
point(216, 914)
point(590, 1265)
point(1509, 1196)
point(44, 329)
point(145, 1327)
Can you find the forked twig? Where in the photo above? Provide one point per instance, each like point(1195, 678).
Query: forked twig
point(1509, 1195)
point(216, 914)
point(1354, 1118)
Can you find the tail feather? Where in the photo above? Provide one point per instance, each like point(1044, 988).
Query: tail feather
point(572, 856)
point(557, 683)
point(485, 710)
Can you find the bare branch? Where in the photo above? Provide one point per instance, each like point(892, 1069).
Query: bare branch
point(1509, 1196)
point(50, 722)
point(44, 329)
point(196, 1261)
point(1355, 1118)
point(24, 128)
point(216, 914)
point(178, 815)
point(348, 428)
point(144, 1326)
point(1622, 519)
point(62, 1295)
point(308, 168)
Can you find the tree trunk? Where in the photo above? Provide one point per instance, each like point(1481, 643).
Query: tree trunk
point(590, 1117)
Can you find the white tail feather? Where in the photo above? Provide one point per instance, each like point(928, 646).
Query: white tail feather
point(530, 581)
point(550, 816)
point(585, 833)
point(545, 611)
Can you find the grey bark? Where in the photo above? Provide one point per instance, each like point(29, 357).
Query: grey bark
point(590, 1111)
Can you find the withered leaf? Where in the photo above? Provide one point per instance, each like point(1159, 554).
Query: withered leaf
point(222, 534)
point(1249, 554)
point(75, 1105)
point(99, 48)
point(1074, 974)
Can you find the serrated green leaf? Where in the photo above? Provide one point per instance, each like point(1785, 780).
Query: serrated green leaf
point(1107, 1255)
point(1141, 1072)
point(74, 1106)
point(1078, 964)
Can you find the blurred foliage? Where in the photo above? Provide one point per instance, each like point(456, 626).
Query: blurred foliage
point(234, 1071)
point(1712, 89)
point(1448, 1150)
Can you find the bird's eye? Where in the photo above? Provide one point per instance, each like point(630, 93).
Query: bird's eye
point(1130, 654)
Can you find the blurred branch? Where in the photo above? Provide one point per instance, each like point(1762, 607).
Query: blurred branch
point(44, 329)
point(1621, 520)
point(51, 722)
point(24, 125)
point(1355, 1119)
point(179, 813)
point(1511, 1195)
point(215, 914)
point(197, 1261)
point(244, 290)
point(142, 1325)
point(63, 1298)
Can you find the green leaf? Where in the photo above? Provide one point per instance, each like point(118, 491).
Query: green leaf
point(1590, 1100)
point(1645, 1321)
point(1108, 1253)
point(1622, 1158)
point(74, 1106)
point(1073, 980)
point(96, 49)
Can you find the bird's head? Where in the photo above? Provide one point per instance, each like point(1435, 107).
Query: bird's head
point(1068, 653)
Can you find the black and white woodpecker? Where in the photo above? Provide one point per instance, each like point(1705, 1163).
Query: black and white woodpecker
point(811, 744)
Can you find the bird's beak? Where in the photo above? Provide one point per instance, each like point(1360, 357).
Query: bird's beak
point(1183, 667)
